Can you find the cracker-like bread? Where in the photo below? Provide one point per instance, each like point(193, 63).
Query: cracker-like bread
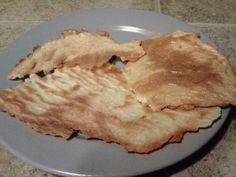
point(99, 105)
point(181, 71)
point(75, 48)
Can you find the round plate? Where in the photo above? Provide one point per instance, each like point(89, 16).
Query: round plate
point(93, 157)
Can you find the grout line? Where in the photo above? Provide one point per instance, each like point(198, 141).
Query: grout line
point(156, 6)
point(213, 24)
point(21, 21)
point(159, 6)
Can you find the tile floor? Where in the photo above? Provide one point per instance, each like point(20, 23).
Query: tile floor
point(216, 18)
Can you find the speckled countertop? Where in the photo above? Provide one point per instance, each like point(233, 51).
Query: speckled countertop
point(215, 18)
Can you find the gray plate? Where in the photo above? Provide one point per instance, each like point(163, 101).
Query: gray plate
point(78, 156)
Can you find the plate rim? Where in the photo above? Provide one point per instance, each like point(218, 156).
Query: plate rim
point(53, 171)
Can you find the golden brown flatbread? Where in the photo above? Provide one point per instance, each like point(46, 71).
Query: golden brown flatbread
point(181, 71)
point(75, 48)
point(99, 105)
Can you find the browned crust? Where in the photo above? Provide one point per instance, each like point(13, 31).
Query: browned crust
point(69, 32)
point(93, 59)
point(64, 34)
point(99, 125)
point(102, 33)
point(34, 49)
point(90, 133)
point(181, 61)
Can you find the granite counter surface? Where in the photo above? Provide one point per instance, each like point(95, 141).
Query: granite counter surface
point(217, 19)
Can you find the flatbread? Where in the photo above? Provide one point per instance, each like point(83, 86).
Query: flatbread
point(99, 104)
point(179, 71)
point(75, 48)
